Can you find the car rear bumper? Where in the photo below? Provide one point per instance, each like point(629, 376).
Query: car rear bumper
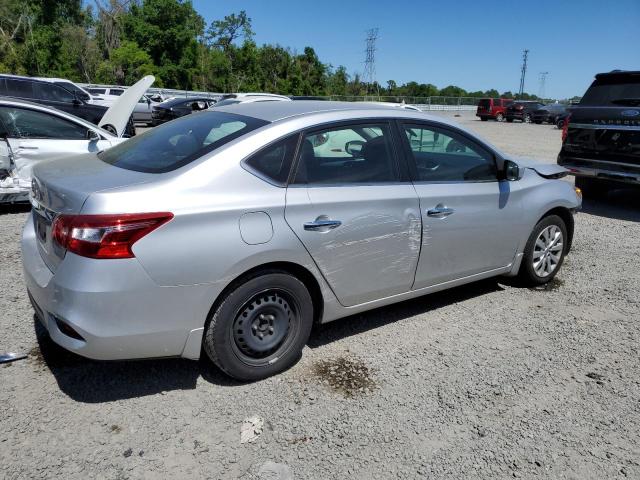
point(601, 172)
point(112, 307)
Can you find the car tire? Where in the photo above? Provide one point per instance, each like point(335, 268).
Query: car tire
point(560, 124)
point(484, 119)
point(500, 117)
point(591, 187)
point(526, 118)
point(538, 122)
point(510, 120)
point(260, 327)
point(544, 251)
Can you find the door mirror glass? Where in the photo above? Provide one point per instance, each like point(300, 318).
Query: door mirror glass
point(354, 147)
point(512, 171)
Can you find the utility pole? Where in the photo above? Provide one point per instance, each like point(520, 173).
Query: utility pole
point(370, 58)
point(525, 54)
point(543, 80)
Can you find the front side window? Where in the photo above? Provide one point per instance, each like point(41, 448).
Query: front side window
point(274, 161)
point(445, 156)
point(346, 155)
point(24, 123)
point(175, 144)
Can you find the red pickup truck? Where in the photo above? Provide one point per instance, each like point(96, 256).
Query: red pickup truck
point(492, 108)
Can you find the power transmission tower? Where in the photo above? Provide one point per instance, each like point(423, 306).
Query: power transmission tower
point(370, 59)
point(525, 54)
point(543, 80)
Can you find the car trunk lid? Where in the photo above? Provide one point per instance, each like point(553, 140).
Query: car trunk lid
point(63, 186)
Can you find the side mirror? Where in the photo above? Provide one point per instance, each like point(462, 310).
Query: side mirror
point(512, 171)
point(354, 147)
point(92, 135)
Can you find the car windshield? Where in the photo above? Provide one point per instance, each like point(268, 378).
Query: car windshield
point(177, 143)
point(618, 90)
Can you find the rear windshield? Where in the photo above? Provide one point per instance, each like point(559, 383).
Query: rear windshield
point(177, 143)
point(614, 90)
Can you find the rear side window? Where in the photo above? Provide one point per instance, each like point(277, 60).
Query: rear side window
point(614, 90)
point(116, 93)
point(348, 155)
point(19, 88)
point(97, 91)
point(178, 143)
point(485, 102)
point(274, 161)
point(24, 123)
point(51, 92)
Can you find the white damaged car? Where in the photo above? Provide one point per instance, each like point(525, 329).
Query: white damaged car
point(31, 133)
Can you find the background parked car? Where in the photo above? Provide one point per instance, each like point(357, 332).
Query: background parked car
point(52, 95)
point(522, 110)
point(234, 98)
point(105, 96)
point(601, 137)
point(492, 108)
point(549, 113)
point(143, 110)
point(178, 107)
point(30, 133)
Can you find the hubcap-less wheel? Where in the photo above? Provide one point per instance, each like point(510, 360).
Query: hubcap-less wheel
point(263, 325)
point(547, 251)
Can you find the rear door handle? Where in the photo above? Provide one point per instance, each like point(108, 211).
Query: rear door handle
point(322, 225)
point(440, 211)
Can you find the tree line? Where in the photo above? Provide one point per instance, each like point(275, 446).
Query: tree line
point(119, 41)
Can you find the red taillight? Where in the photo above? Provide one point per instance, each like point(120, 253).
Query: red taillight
point(105, 236)
point(565, 128)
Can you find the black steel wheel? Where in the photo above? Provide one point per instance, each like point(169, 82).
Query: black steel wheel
point(260, 327)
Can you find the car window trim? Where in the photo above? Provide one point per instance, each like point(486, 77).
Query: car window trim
point(443, 128)
point(348, 123)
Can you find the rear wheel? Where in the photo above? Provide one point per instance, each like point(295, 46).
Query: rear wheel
point(500, 117)
point(526, 118)
point(509, 119)
point(544, 251)
point(484, 119)
point(260, 327)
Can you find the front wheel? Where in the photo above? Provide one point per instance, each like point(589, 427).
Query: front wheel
point(500, 117)
point(260, 327)
point(509, 119)
point(526, 118)
point(484, 119)
point(544, 251)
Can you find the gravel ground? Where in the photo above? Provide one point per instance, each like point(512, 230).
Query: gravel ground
point(485, 381)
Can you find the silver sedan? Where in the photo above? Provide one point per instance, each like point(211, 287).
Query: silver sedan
point(233, 230)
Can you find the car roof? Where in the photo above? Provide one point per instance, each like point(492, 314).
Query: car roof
point(274, 111)
point(19, 77)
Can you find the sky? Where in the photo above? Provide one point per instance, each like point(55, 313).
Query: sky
point(474, 44)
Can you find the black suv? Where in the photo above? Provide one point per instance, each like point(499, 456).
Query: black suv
point(601, 137)
point(53, 95)
point(522, 110)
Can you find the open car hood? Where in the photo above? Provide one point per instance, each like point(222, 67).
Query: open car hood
point(117, 116)
point(546, 170)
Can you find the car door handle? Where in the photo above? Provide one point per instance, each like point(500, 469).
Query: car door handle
point(28, 147)
point(324, 225)
point(440, 211)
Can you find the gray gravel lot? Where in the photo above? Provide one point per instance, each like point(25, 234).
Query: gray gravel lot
point(485, 381)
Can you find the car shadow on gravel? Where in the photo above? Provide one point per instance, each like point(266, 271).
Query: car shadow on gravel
point(619, 204)
point(372, 319)
point(14, 208)
point(90, 381)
